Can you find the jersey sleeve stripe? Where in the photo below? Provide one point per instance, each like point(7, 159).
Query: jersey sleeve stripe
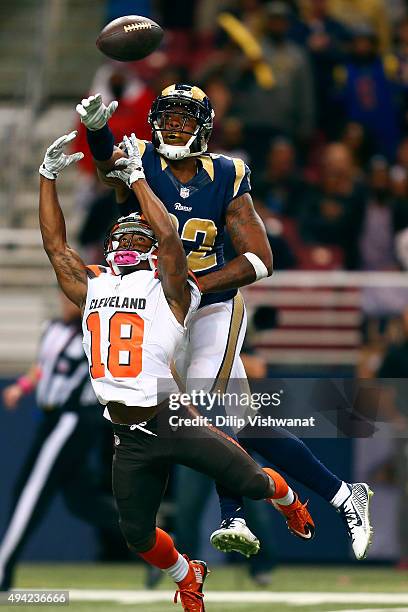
point(141, 145)
point(93, 271)
point(208, 165)
point(239, 174)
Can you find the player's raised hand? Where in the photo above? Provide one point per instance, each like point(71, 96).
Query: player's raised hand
point(129, 169)
point(93, 113)
point(56, 160)
point(11, 396)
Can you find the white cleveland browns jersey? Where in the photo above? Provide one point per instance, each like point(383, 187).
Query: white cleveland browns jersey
point(131, 336)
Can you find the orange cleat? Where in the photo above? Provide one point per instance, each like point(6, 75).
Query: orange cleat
point(297, 517)
point(191, 588)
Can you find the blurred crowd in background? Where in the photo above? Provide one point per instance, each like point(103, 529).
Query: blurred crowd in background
point(316, 103)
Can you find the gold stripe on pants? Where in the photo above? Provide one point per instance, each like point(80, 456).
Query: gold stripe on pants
point(224, 373)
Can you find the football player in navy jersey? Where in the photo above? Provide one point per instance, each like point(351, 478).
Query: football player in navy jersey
point(207, 193)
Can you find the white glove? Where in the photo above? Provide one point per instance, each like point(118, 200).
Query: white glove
point(94, 114)
point(55, 159)
point(129, 169)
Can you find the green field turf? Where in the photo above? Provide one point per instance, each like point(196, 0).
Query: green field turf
point(361, 579)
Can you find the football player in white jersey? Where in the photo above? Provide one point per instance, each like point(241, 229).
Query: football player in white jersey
point(134, 317)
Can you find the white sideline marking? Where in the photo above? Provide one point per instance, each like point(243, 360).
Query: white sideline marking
point(300, 598)
point(374, 610)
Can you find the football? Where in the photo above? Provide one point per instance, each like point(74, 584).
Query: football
point(129, 38)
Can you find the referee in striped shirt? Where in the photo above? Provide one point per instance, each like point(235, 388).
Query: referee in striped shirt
point(67, 433)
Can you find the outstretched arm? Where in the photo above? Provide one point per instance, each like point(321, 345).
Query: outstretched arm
point(95, 116)
point(172, 262)
point(248, 236)
point(69, 267)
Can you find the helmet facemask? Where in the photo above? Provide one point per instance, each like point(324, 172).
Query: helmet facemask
point(127, 256)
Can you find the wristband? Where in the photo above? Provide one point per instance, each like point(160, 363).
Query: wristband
point(101, 143)
point(261, 270)
point(26, 384)
point(135, 176)
point(47, 173)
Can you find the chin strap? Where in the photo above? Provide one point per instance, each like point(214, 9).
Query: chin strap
point(175, 152)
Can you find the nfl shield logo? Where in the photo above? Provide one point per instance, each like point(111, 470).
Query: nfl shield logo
point(184, 192)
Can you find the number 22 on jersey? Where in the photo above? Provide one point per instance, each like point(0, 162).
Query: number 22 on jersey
point(125, 339)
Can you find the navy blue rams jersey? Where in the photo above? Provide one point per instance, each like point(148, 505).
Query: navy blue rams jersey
point(198, 207)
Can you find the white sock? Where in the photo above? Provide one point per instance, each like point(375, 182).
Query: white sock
point(179, 570)
point(287, 500)
point(342, 494)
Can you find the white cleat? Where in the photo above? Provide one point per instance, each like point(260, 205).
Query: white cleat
point(234, 536)
point(355, 512)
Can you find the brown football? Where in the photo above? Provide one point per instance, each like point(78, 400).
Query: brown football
point(129, 38)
